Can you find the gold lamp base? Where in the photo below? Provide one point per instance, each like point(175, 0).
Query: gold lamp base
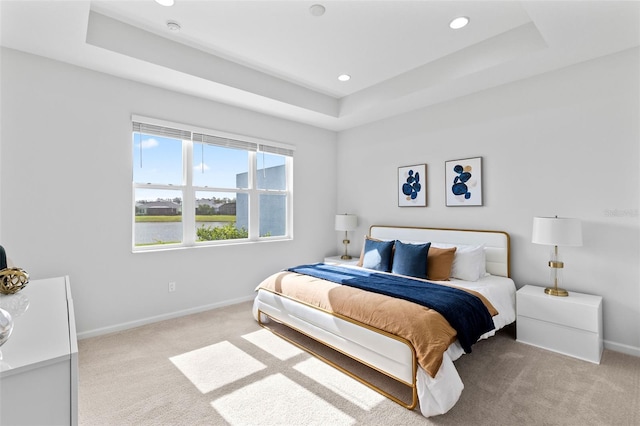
point(346, 242)
point(555, 291)
point(556, 267)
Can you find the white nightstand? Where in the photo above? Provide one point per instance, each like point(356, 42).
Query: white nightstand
point(335, 260)
point(569, 325)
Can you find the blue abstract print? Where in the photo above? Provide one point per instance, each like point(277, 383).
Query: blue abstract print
point(463, 174)
point(412, 186)
point(463, 182)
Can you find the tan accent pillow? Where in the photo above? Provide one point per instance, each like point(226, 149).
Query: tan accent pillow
point(439, 261)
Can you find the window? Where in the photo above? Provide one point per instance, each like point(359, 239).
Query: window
point(201, 187)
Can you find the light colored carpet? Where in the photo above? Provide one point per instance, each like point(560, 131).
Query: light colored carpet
point(220, 367)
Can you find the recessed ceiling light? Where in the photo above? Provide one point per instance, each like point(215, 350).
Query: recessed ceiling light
point(317, 10)
point(173, 26)
point(459, 22)
point(165, 2)
point(344, 77)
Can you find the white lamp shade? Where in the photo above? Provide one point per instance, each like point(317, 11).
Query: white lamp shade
point(557, 231)
point(346, 222)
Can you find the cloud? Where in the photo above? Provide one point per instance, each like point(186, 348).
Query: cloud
point(200, 167)
point(149, 143)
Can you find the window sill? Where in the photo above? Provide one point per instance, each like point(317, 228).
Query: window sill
point(200, 245)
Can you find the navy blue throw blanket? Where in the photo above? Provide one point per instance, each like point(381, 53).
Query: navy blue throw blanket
point(465, 312)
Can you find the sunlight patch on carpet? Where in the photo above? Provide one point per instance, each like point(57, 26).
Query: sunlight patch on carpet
point(214, 366)
point(272, 344)
point(340, 383)
point(278, 400)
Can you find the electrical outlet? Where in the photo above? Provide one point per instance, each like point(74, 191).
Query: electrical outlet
point(172, 286)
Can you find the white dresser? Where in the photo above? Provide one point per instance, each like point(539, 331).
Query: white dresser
point(39, 365)
point(569, 325)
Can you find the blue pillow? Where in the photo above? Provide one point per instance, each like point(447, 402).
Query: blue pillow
point(377, 255)
point(411, 259)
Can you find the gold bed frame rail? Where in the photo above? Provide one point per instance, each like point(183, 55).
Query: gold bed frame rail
point(412, 385)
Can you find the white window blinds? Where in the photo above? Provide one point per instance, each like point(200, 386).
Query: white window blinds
point(169, 132)
point(275, 150)
point(198, 136)
point(225, 142)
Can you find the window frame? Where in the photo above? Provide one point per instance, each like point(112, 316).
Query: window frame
point(189, 190)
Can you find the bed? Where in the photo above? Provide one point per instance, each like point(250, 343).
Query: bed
point(479, 264)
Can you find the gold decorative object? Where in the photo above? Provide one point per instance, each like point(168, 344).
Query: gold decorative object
point(12, 280)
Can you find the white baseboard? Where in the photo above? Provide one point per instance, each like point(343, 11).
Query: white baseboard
point(618, 347)
point(170, 315)
point(625, 349)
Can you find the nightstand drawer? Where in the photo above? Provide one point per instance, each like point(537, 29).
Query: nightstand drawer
point(568, 341)
point(578, 311)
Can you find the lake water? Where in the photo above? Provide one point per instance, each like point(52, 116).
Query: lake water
point(151, 232)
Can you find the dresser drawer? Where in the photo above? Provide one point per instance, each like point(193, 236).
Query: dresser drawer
point(578, 311)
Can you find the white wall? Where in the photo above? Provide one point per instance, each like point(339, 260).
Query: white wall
point(564, 143)
point(66, 194)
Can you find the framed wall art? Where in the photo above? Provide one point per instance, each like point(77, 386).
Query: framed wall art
point(463, 182)
point(412, 186)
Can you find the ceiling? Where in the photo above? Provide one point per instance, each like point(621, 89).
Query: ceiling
point(278, 58)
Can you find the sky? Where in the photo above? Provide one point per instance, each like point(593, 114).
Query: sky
point(158, 160)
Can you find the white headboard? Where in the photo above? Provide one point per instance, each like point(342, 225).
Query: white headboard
point(497, 245)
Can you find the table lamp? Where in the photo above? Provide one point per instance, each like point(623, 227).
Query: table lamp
point(556, 231)
point(346, 222)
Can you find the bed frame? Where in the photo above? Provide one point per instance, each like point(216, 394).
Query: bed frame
point(390, 355)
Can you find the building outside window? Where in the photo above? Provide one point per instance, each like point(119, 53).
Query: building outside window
point(193, 187)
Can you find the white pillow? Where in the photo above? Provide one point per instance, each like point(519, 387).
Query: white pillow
point(469, 263)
